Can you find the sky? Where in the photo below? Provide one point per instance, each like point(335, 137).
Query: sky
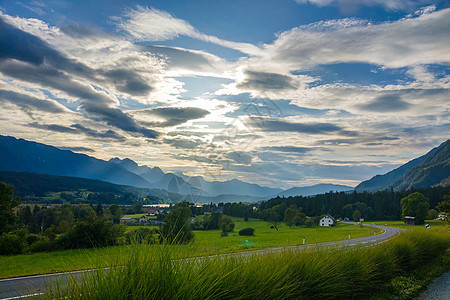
point(281, 93)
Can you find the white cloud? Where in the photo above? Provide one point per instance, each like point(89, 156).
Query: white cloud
point(149, 24)
point(417, 40)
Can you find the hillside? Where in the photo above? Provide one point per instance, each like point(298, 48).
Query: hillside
point(428, 170)
point(39, 185)
point(25, 156)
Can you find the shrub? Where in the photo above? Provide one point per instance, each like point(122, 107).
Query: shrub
point(93, 232)
point(42, 245)
point(247, 231)
point(11, 244)
point(309, 222)
point(226, 224)
point(142, 236)
point(32, 238)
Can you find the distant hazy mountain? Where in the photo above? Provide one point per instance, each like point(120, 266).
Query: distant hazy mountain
point(428, 170)
point(320, 188)
point(234, 186)
point(25, 156)
point(186, 184)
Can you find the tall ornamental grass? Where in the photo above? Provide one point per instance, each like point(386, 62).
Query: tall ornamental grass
point(321, 273)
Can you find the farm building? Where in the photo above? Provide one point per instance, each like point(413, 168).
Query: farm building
point(326, 221)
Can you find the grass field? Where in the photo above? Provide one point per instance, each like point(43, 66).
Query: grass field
point(206, 243)
point(401, 224)
point(265, 237)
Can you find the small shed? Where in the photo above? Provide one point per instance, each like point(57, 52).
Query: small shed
point(326, 221)
point(412, 221)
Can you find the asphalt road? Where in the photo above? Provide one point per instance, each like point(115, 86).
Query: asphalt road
point(33, 286)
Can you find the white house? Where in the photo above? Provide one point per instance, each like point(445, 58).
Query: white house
point(327, 221)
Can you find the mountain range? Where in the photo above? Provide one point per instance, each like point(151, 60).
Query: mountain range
point(25, 156)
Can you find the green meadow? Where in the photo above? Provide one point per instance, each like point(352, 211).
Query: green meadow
point(205, 243)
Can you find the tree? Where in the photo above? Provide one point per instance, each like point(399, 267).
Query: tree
point(26, 217)
point(289, 216)
point(294, 216)
point(444, 206)
point(176, 228)
point(99, 210)
point(356, 215)
point(7, 204)
point(432, 214)
point(211, 221)
point(347, 211)
point(115, 212)
point(271, 215)
point(226, 224)
point(415, 205)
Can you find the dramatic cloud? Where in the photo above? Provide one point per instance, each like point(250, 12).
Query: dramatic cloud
point(27, 58)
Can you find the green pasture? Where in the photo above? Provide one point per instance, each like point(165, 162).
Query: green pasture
point(205, 243)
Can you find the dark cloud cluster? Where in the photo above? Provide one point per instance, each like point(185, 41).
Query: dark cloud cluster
point(174, 115)
point(240, 157)
point(128, 81)
point(273, 125)
point(181, 143)
point(265, 81)
point(386, 103)
point(28, 102)
point(78, 128)
point(289, 149)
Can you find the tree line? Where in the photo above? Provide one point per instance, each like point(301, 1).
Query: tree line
point(381, 205)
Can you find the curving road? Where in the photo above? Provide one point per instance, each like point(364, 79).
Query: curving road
point(33, 286)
